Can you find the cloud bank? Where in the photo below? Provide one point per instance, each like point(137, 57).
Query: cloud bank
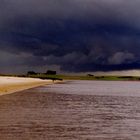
point(72, 36)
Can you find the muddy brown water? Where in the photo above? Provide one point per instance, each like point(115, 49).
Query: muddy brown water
point(77, 110)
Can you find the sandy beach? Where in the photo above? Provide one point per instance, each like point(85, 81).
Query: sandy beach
point(13, 84)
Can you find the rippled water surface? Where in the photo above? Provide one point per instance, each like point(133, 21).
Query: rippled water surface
point(76, 110)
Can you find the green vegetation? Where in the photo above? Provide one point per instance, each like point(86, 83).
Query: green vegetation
point(86, 77)
point(54, 76)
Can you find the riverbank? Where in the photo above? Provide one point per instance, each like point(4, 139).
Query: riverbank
point(13, 84)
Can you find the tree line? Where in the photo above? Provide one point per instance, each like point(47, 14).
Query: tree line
point(48, 72)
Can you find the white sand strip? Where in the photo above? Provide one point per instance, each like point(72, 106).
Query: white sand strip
point(13, 84)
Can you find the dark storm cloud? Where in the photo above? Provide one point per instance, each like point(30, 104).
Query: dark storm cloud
point(74, 35)
point(126, 10)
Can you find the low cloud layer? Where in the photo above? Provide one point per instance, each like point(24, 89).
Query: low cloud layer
point(71, 36)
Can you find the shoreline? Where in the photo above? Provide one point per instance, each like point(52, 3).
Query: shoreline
point(10, 85)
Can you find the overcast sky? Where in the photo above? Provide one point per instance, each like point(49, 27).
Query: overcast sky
point(69, 35)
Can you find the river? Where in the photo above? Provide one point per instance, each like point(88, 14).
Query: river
point(75, 110)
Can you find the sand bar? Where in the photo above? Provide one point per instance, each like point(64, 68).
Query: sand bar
point(13, 84)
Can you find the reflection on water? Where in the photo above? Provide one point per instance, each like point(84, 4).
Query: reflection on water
point(44, 114)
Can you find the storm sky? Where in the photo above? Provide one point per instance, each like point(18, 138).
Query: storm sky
point(69, 35)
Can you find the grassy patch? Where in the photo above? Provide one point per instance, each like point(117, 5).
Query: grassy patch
point(76, 77)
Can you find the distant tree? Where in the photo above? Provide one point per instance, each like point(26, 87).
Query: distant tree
point(51, 72)
point(90, 75)
point(31, 73)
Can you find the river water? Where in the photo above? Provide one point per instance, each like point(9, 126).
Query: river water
point(75, 110)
